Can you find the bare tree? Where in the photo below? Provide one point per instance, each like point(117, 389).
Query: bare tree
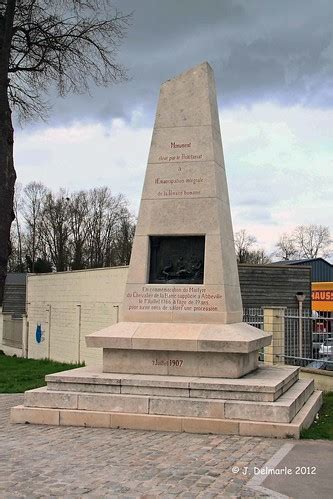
point(59, 232)
point(14, 258)
point(105, 210)
point(286, 247)
point(67, 43)
point(257, 256)
point(33, 206)
point(15, 261)
point(312, 240)
point(7, 171)
point(124, 239)
point(17, 208)
point(79, 227)
point(55, 229)
point(98, 230)
point(243, 244)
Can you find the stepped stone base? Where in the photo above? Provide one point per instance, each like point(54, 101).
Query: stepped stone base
point(271, 401)
point(98, 419)
point(264, 384)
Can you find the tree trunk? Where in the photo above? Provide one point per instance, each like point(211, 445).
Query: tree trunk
point(7, 171)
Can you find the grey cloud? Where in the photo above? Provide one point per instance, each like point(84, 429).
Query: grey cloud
point(253, 214)
point(260, 50)
point(254, 201)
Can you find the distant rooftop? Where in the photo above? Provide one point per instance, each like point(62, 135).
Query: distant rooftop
point(15, 294)
point(322, 270)
point(303, 261)
point(16, 278)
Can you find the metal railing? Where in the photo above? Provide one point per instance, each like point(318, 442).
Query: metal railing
point(309, 340)
point(304, 340)
point(255, 317)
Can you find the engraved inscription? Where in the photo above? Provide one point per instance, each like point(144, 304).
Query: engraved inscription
point(180, 157)
point(183, 178)
point(171, 181)
point(174, 299)
point(178, 187)
point(170, 362)
point(174, 145)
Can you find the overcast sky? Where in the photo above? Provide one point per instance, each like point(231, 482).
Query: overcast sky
point(273, 64)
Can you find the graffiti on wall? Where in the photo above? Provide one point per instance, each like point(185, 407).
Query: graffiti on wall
point(39, 335)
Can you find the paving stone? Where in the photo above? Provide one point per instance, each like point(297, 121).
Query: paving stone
point(57, 461)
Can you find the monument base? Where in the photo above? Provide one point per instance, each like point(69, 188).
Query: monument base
point(180, 349)
point(179, 363)
point(271, 401)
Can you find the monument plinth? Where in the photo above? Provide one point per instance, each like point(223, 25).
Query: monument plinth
point(181, 359)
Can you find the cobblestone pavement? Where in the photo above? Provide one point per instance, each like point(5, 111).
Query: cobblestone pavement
point(44, 461)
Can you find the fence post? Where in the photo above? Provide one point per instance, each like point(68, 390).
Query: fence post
point(25, 336)
point(78, 322)
point(274, 324)
point(1, 327)
point(48, 310)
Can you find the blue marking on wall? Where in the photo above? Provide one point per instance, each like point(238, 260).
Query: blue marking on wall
point(39, 333)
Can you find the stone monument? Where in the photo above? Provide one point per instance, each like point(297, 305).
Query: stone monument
point(182, 311)
point(181, 358)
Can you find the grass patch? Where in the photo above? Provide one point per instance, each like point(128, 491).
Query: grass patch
point(18, 374)
point(322, 428)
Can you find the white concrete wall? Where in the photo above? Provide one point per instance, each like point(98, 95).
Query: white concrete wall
point(69, 305)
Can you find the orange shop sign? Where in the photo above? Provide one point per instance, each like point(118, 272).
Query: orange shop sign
point(322, 296)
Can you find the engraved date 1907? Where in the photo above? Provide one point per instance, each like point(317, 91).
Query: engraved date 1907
point(170, 362)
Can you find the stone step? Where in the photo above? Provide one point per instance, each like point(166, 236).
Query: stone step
point(265, 384)
point(97, 419)
point(301, 421)
point(282, 410)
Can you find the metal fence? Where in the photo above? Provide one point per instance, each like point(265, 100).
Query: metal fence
point(298, 339)
point(309, 340)
point(255, 317)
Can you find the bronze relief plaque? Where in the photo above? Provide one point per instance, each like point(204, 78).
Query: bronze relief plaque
point(177, 259)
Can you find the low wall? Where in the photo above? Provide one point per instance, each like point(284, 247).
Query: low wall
point(63, 307)
point(323, 379)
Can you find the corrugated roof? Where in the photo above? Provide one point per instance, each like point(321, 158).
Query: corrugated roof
point(16, 278)
point(322, 270)
point(303, 261)
point(15, 294)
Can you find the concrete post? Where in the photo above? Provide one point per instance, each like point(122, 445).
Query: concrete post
point(1, 327)
point(48, 322)
point(78, 322)
point(25, 336)
point(274, 323)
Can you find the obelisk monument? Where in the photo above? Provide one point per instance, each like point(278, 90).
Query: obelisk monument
point(183, 266)
point(182, 310)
